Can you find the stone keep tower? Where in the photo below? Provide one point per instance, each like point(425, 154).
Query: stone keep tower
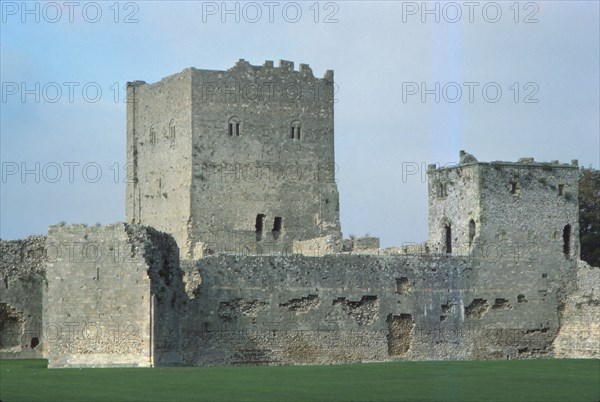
point(501, 210)
point(237, 161)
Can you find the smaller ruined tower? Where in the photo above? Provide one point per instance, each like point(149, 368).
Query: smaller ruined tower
point(505, 208)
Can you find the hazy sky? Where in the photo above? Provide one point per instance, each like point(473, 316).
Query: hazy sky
point(527, 72)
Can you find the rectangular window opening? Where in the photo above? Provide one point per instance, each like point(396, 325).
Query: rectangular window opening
point(259, 222)
point(259, 225)
point(471, 232)
point(567, 240)
point(276, 227)
point(515, 188)
point(237, 129)
point(231, 129)
point(441, 190)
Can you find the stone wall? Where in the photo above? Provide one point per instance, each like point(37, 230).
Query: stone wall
point(349, 308)
point(119, 296)
point(365, 244)
point(22, 283)
point(454, 200)
point(579, 335)
point(527, 207)
point(318, 247)
point(238, 167)
point(113, 297)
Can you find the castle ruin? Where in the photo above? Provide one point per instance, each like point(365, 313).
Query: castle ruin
point(232, 252)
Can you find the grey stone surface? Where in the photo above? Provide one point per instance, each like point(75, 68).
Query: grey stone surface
point(210, 151)
point(22, 283)
point(515, 208)
point(208, 156)
point(579, 334)
point(113, 299)
point(342, 308)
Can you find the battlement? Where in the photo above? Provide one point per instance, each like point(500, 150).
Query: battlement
point(284, 67)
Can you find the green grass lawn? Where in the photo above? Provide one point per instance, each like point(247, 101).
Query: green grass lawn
point(524, 380)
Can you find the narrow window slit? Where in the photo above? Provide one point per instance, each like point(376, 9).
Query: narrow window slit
point(276, 227)
point(567, 240)
point(471, 232)
point(448, 239)
point(259, 225)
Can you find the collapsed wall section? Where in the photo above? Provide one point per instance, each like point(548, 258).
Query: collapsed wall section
point(22, 283)
point(167, 294)
point(357, 308)
point(112, 296)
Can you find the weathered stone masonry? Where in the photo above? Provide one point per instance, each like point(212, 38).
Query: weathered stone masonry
point(22, 283)
point(233, 161)
point(112, 297)
point(236, 169)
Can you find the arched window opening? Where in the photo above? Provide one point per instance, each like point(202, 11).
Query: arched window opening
point(442, 190)
point(296, 130)
point(259, 225)
point(234, 126)
point(152, 134)
point(172, 130)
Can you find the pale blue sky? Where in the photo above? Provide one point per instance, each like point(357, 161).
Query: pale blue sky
point(370, 48)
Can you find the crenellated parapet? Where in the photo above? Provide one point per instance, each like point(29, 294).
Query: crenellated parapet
point(284, 67)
